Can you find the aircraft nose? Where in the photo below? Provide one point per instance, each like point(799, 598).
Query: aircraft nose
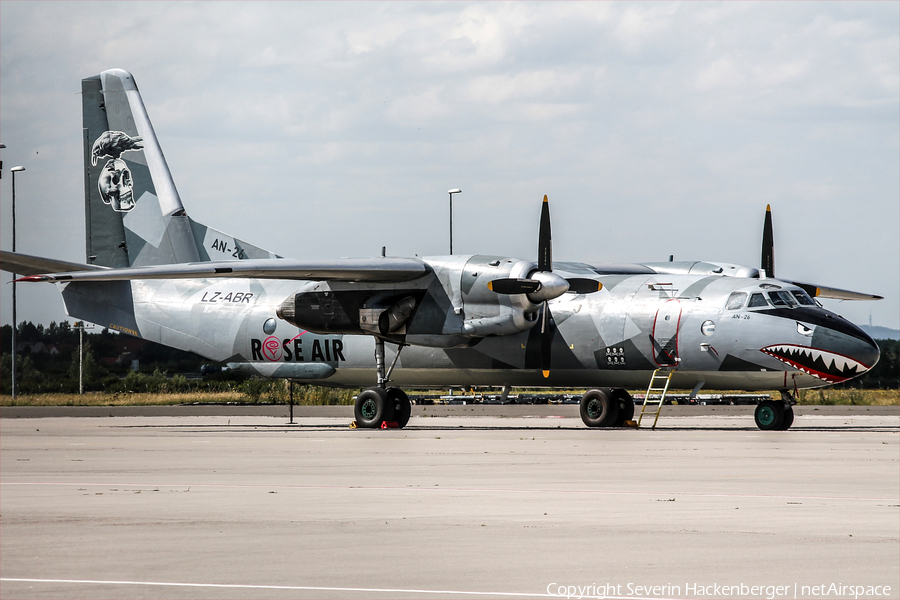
point(853, 351)
point(838, 350)
point(870, 354)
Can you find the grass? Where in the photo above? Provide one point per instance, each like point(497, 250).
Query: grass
point(854, 397)
point(124, 399)
point(314, 395)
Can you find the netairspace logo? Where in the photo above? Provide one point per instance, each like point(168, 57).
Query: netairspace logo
point(716, 590)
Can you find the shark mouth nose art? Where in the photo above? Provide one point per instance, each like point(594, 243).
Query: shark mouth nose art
point(827, 366)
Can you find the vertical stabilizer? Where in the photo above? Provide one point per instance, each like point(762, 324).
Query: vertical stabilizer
point(133, 213)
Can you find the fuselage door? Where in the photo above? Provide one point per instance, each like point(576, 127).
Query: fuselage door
point(665, 333)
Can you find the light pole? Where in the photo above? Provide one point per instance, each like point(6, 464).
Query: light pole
point(14, 170)
point(451, 192)
point(80, 326)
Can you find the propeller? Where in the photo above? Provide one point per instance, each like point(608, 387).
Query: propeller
point(767, 261)
point(579, 285)
point(541, 286)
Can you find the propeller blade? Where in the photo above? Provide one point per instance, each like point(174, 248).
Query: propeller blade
point(545, 252)
point(514, 286)
point(546, 340)
point(767, 261)
point(579, 285)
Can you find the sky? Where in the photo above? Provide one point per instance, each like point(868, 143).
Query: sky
point(319, 130)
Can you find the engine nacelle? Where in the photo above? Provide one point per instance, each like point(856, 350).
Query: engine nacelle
point(350, 312)
point(488, 313)
point(704, 268)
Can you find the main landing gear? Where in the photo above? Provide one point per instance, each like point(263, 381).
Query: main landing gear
point(606, 407)
point(776, 415)
point(382, 404)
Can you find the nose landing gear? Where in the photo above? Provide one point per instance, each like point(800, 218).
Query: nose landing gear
point(775, 415)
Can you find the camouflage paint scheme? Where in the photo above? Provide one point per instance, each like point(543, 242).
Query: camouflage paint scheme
point(201, 290)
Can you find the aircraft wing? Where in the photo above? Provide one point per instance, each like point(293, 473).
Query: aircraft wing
point(342, 269)
point(818, 291)
point(25, 264)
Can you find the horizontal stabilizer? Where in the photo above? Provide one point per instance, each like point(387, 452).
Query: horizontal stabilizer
point(25, 264)
point(818, 291)
point(341, 269)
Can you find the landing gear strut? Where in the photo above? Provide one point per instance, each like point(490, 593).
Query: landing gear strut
point(776, 415)
point(380, 404)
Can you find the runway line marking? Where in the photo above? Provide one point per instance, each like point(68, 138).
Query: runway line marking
point(445, 489)
point(238, 586)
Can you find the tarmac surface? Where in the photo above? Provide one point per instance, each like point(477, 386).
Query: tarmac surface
point(457, 505)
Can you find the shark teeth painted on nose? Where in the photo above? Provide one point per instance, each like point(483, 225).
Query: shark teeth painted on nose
point(827, 366)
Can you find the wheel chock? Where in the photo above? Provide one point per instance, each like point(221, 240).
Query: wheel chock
point(352, 424)
point(631, 423)
point(390, 425)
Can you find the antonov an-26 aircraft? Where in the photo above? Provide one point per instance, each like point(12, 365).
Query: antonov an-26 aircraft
point(386, 322)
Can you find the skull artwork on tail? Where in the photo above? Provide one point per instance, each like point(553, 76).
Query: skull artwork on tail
point(116, 183)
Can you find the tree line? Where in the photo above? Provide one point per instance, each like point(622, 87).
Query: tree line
point(48, 362)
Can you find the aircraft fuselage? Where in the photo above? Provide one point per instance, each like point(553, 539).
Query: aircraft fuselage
point(724, 332)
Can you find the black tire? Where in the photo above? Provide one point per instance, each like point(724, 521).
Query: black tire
point(788, 419)
point(598, 409)
point(769, 415)
point(626, 406)
point(401, 405)
point(372, 408)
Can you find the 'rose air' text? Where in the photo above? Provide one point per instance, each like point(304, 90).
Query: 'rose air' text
point(273, 349)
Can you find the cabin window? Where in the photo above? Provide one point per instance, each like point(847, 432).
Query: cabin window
point(803, 298)
point(782, 299)
point(736, 300)
point(757, 300)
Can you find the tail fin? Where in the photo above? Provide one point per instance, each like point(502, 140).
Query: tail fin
point(133, 213)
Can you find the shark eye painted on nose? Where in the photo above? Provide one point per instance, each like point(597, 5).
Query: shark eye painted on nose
point(803, 329)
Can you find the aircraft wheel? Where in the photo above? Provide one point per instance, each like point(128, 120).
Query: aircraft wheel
point(401, 405)
point(598, 409)
point(372, 408)
point(788, 418)
point(769, 415)
point(626, 406)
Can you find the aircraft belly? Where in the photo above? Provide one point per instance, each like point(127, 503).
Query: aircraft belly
point(631, 380)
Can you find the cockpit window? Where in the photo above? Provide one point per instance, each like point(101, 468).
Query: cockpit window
point(782, 299)
point(757, 300)
point(803, 298)
point(736, 300)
